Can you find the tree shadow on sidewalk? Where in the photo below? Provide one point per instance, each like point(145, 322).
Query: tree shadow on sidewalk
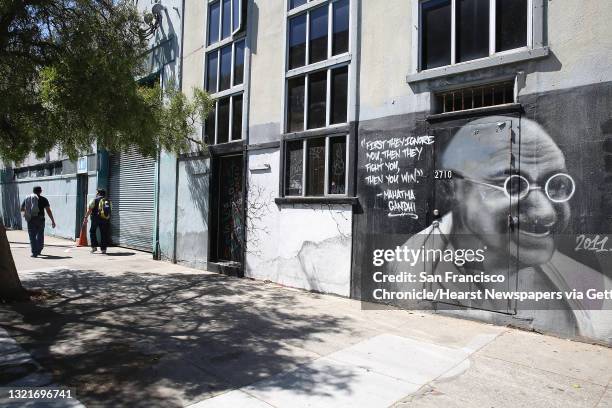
point(145, 339)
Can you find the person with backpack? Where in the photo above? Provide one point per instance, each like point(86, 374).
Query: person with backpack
point(100, 211)
point(33, 209)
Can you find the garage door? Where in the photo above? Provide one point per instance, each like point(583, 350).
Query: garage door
point(132, 192)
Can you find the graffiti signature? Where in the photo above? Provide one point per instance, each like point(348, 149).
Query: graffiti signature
point(595, 244)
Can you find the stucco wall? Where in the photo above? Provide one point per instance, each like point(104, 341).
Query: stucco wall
point(61, 193)
point(194, 45)
point(192, 212)
point(266, 39)
point(167, 204)
point(298, 245)
point(576, 31)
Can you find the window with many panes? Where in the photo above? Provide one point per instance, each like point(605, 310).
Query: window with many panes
point(318, 63)
point(316, 166)
point(224, 70)
point(456, 31)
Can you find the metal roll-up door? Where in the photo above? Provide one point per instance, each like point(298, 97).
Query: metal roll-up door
point(132, 193)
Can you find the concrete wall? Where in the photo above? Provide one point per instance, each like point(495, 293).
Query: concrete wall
point(10, 203)
point(266, 39)
point(170, 33)
point(192, 212)
point(577, 33)
point(298, 245)
point(166, 204)
point(579, 39)
point(60, 191)
point(194, 45)
point(383, 89)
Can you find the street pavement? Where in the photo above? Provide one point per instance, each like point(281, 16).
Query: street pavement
point(123, 330)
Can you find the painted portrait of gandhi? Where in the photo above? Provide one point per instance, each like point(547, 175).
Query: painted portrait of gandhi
point(488, 186)
point(512, 198)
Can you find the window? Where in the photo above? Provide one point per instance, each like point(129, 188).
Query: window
point(317, 88)
point(317, 65)
point(296, 3)
point(316, 167)
point(499, 93)
point(224, 78)
point(456, 31)
point(224, 19)
point(43, 170)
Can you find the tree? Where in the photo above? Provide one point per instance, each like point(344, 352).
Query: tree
point(67, 80)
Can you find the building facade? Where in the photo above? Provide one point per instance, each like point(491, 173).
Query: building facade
point(67, 184)
point(363, 126)
point(488, 130)
point(131, 180)
point(343, 129)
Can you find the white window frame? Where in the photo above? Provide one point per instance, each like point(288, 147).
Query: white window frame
point(233, 90)
point(326, 186)
point(231, 118)
point(232, 31)
point(534, 48)
point(332, 62)
point(328, 101)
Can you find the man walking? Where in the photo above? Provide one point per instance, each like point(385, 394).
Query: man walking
point(99, 210)
point(33, 209)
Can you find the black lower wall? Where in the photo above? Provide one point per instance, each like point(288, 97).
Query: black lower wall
point(543, 245)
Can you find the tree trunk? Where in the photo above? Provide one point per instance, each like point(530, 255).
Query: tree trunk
point(10, 285)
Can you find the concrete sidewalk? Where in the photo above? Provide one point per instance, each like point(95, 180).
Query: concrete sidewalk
point(124, 330)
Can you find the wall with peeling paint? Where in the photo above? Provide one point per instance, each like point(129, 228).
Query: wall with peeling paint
point(192, 212)
point(304, 246)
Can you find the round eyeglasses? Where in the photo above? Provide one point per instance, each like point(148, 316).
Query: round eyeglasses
point(559, 187)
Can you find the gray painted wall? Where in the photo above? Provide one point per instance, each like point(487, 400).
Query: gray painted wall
point(192, 212)
point(167, 204)
point(576, 31)
point(61, 193)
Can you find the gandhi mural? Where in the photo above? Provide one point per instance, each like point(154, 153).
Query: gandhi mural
point(510, 199)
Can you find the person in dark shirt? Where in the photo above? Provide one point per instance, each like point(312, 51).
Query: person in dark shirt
point(97, 222)
point(36, 222)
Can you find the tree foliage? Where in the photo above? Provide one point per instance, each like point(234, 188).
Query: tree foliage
point(67, 81)
point(68, 71)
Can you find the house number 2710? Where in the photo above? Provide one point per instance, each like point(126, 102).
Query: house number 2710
point(443, 174)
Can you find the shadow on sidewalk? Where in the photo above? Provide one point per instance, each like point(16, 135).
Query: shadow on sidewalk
point(53, 257)
point(47, 245)
point(139, 339)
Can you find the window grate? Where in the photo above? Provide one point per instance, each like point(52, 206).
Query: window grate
point(475, 97)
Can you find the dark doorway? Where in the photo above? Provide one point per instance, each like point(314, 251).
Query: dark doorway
point(228, 212)
point(81, 209)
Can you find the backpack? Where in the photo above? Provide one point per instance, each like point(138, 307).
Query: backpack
point(30, 205)
point(104, 209)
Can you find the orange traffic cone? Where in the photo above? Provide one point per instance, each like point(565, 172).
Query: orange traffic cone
point(82, 242)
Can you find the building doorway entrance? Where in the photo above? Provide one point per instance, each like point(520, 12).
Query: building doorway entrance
point(228, 212)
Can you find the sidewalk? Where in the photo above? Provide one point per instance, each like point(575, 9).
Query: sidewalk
point(125, 330)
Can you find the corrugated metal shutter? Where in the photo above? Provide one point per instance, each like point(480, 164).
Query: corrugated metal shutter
point(132, 192)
